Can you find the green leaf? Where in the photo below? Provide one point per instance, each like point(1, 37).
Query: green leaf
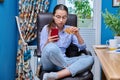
point(112, 21)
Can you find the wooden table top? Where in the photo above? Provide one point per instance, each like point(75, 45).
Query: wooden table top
point(110, 63)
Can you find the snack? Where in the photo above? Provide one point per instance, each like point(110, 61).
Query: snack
point(67, 30)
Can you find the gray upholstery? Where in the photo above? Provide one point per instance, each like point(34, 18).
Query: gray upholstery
point(45, 18)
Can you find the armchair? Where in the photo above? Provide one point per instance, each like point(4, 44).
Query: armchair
point(72, 50)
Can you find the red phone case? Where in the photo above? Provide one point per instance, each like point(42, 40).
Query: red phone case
point(54, 31)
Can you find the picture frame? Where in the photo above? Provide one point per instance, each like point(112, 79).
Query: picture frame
point(115, 3)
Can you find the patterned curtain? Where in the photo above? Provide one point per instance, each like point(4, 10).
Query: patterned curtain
point(26, 21)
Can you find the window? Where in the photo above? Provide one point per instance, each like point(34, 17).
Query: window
point(84, 11)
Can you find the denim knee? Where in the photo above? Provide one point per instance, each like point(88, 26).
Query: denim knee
point(91, 60)
point(51, 48)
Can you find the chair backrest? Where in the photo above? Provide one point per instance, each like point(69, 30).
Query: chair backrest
point(45, 18)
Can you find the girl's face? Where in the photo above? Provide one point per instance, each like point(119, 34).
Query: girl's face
point(60, 18)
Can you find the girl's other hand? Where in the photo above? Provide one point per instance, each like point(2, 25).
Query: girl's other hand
point(72, 30)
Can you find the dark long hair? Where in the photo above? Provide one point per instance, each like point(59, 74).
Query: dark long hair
point(57, 7)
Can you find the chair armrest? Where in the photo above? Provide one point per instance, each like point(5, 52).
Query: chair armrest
point(86, 52)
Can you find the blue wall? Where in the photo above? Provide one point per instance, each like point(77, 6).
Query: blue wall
point(106, 33)
point(52, 5)
point(8, 35)
point(8, 39)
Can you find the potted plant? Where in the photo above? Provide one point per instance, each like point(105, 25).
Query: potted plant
point(83, 11)
point(112, 21)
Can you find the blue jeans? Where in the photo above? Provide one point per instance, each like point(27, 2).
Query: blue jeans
point(52, 59)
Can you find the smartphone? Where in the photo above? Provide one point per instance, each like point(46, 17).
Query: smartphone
point(54, 31)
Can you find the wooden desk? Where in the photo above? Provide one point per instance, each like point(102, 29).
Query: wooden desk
point(110, 63)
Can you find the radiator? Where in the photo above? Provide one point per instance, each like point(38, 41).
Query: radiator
point(88, 34)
